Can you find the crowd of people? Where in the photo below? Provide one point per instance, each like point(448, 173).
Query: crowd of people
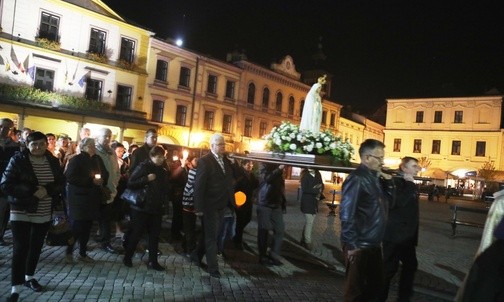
point(44, 172)
point(379, 212)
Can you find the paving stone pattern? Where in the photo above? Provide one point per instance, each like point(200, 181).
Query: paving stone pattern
point(305, 276)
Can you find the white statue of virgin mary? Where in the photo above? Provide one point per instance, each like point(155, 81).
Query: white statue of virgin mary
point(311, 117)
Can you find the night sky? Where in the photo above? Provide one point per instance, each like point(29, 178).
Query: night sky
point(375, 49)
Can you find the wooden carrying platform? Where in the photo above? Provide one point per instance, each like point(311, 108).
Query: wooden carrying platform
point(319, 162)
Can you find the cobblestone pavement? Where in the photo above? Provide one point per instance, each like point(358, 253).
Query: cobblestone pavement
point(305, 276)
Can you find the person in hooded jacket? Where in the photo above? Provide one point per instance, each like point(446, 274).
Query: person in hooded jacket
point(152, 175)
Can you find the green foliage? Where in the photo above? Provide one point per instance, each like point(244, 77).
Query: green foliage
point(97, 57)
point(48, 44)
point(36, 96)
point(287, 138)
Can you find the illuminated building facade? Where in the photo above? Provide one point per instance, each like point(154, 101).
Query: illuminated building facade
point(457, 134)
point(94, 69)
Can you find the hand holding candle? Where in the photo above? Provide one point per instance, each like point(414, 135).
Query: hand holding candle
point(97, 180)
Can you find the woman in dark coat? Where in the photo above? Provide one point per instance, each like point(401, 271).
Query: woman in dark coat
point(33, 182)
point(85, 174)
point(152, 175)
point(311, 188)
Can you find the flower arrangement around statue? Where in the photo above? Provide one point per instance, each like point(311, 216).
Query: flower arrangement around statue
point(287, 138)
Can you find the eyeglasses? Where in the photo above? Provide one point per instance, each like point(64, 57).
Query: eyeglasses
point(380, 158)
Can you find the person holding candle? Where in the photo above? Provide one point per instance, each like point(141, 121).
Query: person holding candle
point(85, 175)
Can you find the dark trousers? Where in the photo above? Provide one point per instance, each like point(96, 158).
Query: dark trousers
point(269, 219)
point(140, 222)
point(364, 275)
point(198, 253)
point(212, 220)
point(28, 240)
point(104, 222)
point(189, 219)
point(404, 252)
point(4, 215)
point(177, 221)
point(81, 229)
point(243, 217)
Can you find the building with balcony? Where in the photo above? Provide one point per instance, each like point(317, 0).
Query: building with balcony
point(76, 63)
point(72, 64)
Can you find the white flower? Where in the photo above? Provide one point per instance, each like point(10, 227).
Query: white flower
point(309, 147)
point(293, 146)
point(318, 145)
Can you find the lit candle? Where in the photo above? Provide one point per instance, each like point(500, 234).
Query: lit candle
point(97, 176)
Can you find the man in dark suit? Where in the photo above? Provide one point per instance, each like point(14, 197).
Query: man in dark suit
point(401, 234)
point(213, 192)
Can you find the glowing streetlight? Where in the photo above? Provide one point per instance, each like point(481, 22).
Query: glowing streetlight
point(179, 42)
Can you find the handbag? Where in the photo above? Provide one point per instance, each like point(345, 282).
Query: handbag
point(135, 197)
point(59, 233)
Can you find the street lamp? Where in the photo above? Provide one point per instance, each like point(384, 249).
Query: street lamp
point(179, 42)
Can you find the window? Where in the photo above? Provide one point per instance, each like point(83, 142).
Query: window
point(248, 127)
point(157, 111)
point(226, 123)
point(458, 116)
point(436, 146)
point(49, 27)
point(127, 50)
point(419, 117)
point(397, 145)
point(417, 146)
point(324, 117)
point(180, 117)
point(291, 106)
point(265, 99)
point(480, 148)
point(212, 84)
point(455, 148)
point(162, 70)
point(230, 90)
point(278, 104)
point(208, 123)
point(94, 89)
point(44, 79)
point(301, 107)
point(332, 121)
point(251, 94)
point(97, 41)
point(438, 116)
point(123, 100)
point(262, 129)
point(185, 77)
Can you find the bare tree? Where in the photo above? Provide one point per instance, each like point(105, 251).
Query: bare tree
point(487, 171)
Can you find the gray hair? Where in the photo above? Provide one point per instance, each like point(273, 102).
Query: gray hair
point(215, 137)
point(103, 131)
point(87, 141)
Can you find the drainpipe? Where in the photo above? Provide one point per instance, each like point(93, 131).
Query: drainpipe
point(193, 103)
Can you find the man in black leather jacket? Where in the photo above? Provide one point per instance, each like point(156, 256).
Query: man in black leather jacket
point(401, 234)
point(367, 192)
